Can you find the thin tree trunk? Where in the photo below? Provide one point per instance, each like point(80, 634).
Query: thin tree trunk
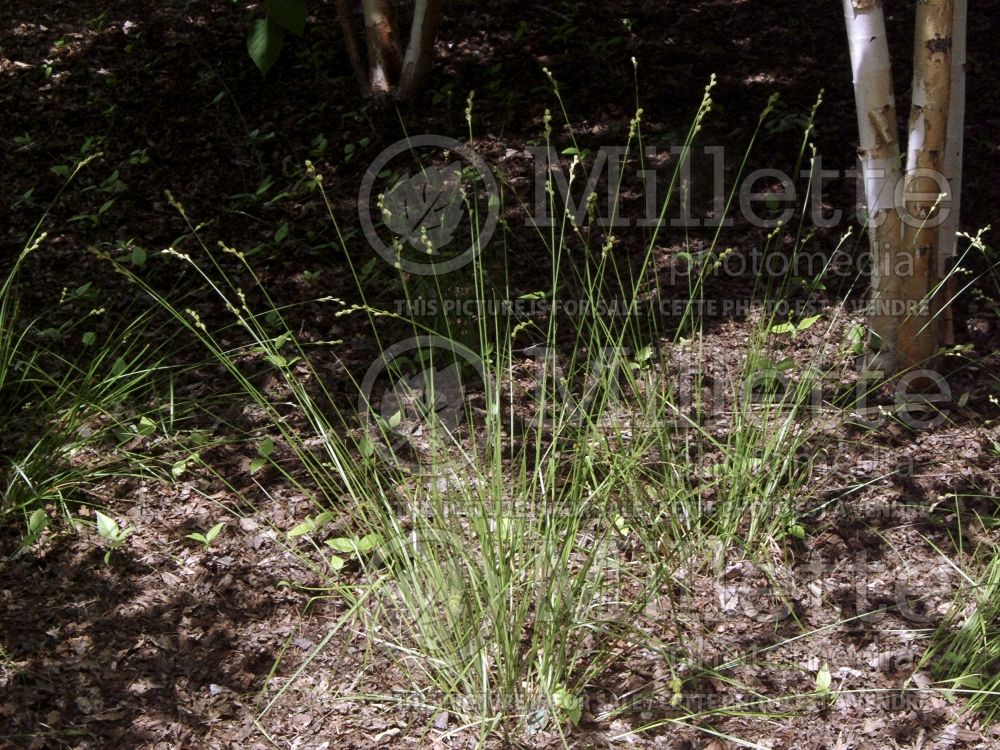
point(346, 16)
point(918, 333)
point(878, 150)
point(385, 53)
point(952, 168)
point(420, 50)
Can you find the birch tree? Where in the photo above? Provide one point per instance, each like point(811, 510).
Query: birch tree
point(912, 214)
point(391, 69)
point(388, 67)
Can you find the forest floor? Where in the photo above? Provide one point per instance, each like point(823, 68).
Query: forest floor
point(172, 645)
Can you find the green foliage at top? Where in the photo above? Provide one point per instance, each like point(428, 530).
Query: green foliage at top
point(267, 37)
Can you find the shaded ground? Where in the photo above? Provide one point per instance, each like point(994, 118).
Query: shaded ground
point(169, 646)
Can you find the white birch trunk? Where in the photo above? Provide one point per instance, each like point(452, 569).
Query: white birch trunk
point(420, 49)
point(384, 49)
point(879, 155)
point(918, 332)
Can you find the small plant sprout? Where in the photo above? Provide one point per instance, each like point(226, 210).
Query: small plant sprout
point(37, 522)
point(208, 537)
point(264, 451)
point(112, 533)
point(351, 545)
point(824, 683)
point(568, 704)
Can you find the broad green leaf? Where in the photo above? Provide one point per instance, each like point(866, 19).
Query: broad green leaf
point(281, 233)
point(824, 679)
point(106, 526)
point(366, 447)
point(808, 322)
point(569, 704)
point(783, 328)
point(214, 532)
point(37, 521)
point(197, 537)
point(303, 528)
point(856, 339)
point(89, 338)
point(337, 562)
point(288, 14)
point(146, 426)
point(257, 464)
point(266, 447)
point(343, 544)
point(369, 542)
point(264, 43)
point(786, 364)
point(118, 367)
point(139, 256)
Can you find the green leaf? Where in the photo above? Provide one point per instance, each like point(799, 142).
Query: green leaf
point(197, 537)
point(783, 328)
point(277, 360)
point(569, 704)
point(786, 364)
point(288, 14)
point(264, 43)
point(146, 426)
point(303, 528)
point(797, 530)
point(347, 545)
point(824, 679)
point(37, 522)
point(178, 468)
point(214, 532)
point(139, 256)
point(106, 526)
point(118, 367)
point(366, 447)
point(808, 322)
point(266, 447)
point(856, 339)
point(395, 419)
point(89, 338)
point(337, 562)
point(60, 169)
point(257, 464)
point(369, 542)
point(282, 233)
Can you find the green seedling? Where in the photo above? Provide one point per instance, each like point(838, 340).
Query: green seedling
point(112, 533)
point(351, 545)
point(208, 537)
point(264, 450)
point(569, 705)
point(793, 328)
point(37, 522)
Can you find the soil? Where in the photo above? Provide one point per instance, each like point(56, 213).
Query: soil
point(174, 646)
